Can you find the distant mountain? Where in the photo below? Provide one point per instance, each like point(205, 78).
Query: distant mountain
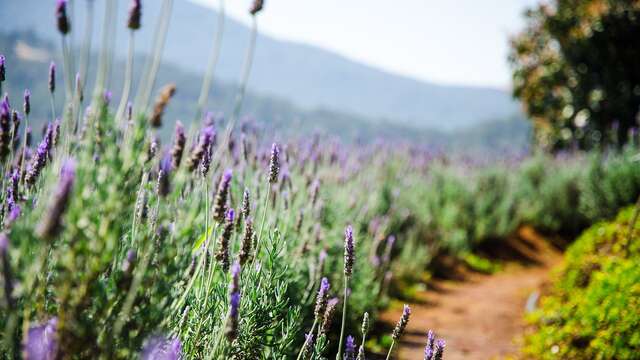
point(307, 75)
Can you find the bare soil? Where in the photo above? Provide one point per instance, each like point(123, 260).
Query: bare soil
point(480, 316)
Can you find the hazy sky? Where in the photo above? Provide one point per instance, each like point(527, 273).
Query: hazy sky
point(446, 41)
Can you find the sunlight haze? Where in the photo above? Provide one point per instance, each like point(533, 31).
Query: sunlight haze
point(461, 42)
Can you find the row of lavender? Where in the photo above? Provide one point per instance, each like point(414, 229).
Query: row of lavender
point(114, 246)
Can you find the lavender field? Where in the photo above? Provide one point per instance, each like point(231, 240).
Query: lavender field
point(140, 225)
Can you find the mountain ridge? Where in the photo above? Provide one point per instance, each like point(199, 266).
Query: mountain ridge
point(308, 76)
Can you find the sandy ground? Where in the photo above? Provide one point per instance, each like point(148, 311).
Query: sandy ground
point(481, 317)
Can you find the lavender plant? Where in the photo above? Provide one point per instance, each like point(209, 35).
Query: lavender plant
point(113, 246)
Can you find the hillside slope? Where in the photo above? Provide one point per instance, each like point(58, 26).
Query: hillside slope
point(309, 76)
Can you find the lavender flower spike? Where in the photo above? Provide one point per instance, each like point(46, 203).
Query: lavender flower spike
point(164, 184)
point(52, 77)
point(274, 164)
point(159, 348)
point(231, 328)
point(41, 341)
point(322, 298)
point(135, 14)
point(327, 320)
point(349, 251)
point(247, 242)
point(205, 141)
point(27, 102)
point(40, 160)
point(61, 17)
point(51, 224)
point(308, 345)
point(3, 69)
point(350, 349)
point(439, 349)
point(402, 323)
point(220, 201)
point(179, 141)
point(6, 270)
point(222, 255)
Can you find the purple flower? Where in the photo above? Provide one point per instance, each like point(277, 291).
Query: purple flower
point(61, 17)
point(274, 163)
point(6, 270)
point(205, 143)
point(439, 349)
point(51, 224)
point(108, 95)
point(220, 201)
point(14, 213)
point(231, 328)
point(322, 298)
point(247, 241)
point(41, 343)
point(308, 345)
point(129, 262)
point(350, 348)
point(246, 204)
point(5, 128)
point(327, 319)
point(349, 251)
point(52, 77)
point(164, 184)
point(159, 348)
point(27, 102)
point(3, 69)
point(135, 14)
point(429, 348)
point(222, 255)
point(402, 323)
point(179, 141)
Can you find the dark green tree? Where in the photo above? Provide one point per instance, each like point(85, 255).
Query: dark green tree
point(576, 69)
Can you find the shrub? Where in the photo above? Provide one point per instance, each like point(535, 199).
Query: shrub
point(592, 310)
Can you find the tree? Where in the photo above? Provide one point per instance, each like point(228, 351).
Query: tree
point(576, 69)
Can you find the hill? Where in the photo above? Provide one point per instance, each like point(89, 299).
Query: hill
point(308, 76)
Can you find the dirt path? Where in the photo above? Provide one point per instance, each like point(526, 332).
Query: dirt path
point(480, 317)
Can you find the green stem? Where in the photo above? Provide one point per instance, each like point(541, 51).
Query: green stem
point(146, 86)
point(67, 69)
point(344, 317)
point(102, 59)
point(86, 43)
point(127, 81)
point(390, 349)
point(313, 328)
point(213, 60)
point(248, 61)
point(264, 216)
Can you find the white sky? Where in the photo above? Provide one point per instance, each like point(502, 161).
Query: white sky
point(446, 41)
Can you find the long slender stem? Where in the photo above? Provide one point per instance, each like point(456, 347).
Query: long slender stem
point(102, 60)
point(127, 81)
point(86, 43)
point(213, 60)
point(248, 62)
point(313, 328)
point(393, 342)
point(344, 316)
point(68, 78)
point(142, 102)
point(264, 216)
point(24, 144)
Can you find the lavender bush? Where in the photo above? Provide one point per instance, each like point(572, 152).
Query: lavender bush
point(114, 246)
